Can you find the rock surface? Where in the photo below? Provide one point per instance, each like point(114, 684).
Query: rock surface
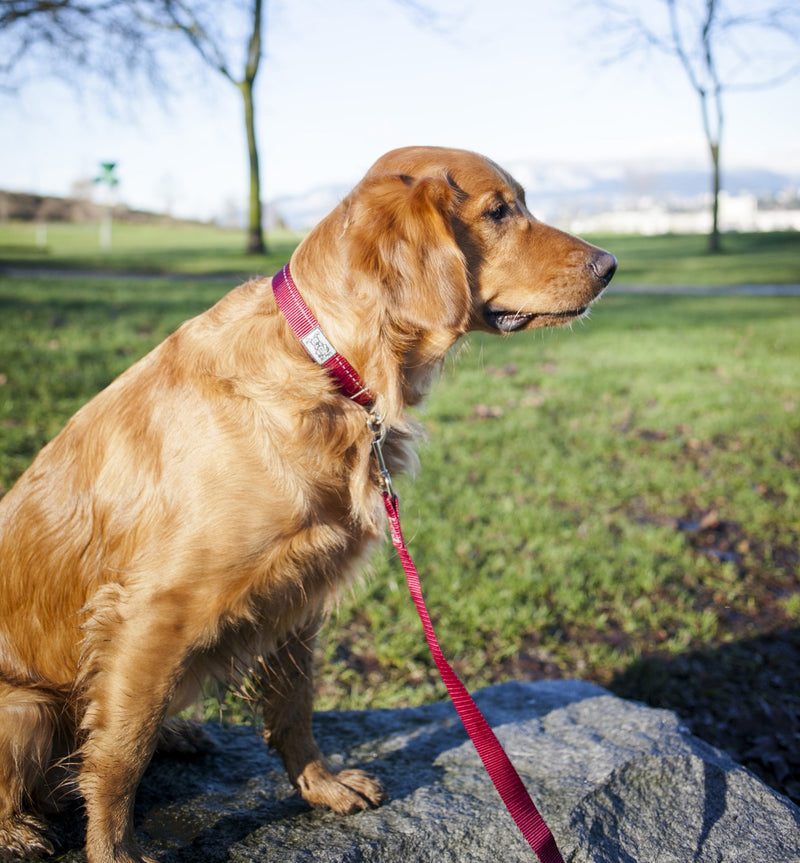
point(615, 781)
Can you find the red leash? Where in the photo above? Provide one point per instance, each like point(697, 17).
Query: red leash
point(500, 769)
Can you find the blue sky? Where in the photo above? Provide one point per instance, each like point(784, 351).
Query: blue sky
point(343, 82)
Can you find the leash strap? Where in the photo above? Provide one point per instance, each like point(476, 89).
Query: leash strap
point(306, 327)
point(500, 769)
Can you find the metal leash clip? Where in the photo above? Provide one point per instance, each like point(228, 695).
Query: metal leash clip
point(378, 429)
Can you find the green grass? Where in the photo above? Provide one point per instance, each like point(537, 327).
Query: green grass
point(619, 502)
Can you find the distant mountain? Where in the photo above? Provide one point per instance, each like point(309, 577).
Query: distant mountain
point(304, 210)
point(683, 182)
point(559, 191)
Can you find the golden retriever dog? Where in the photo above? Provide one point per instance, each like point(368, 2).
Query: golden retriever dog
point(196, 518)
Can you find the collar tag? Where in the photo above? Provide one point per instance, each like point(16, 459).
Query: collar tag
point(318, 346)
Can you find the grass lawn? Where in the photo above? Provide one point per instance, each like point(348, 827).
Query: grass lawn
point(619, 502)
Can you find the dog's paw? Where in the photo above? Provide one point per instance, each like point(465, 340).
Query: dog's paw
point(23, 837)
point(127, 853)
point(345, 792)
point(182, 737)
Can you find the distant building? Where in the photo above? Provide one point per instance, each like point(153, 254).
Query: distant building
point(736, 213)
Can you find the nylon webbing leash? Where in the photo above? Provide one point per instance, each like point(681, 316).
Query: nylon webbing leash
point(498, 765)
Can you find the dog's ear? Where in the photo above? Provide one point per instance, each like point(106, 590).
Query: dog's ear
point(401, 236)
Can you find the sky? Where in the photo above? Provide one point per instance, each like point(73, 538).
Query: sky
point(343, 82)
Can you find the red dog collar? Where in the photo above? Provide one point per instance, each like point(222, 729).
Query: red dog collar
point(306, 327)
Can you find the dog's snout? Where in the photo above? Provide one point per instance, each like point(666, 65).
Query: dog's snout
point(603, 265)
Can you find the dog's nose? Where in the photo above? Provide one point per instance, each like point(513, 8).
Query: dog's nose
point(604, 265)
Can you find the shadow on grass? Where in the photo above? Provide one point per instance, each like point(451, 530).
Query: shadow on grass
point(743, 697)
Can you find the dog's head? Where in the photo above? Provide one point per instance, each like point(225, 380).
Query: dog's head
point(430, 244)
point(449, 236)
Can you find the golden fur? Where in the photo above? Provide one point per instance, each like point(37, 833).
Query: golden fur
point(196, 518)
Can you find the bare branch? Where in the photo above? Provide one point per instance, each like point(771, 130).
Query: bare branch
point(184, 19)
point(776, 81)
point(254, 46)
point(424, 15)
point(61, 37)
point(678, 47)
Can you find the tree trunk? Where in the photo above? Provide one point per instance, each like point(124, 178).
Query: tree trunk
point(714, 238)
point(255, 231)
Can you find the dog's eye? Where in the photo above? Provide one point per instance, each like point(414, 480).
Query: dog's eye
point(498, 212)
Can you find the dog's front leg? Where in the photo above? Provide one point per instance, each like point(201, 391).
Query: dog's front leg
point(287, 690)
point(136, 665)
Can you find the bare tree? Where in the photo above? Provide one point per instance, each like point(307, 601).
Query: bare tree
point(119, 40)
point(716, 47)
point(200, 23)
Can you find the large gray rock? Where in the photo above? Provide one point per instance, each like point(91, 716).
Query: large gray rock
point(616, 781)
